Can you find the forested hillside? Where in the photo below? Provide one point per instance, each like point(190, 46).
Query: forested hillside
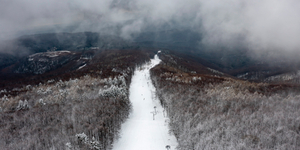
point(216, 111)
point(81, 102)
point(70, 109)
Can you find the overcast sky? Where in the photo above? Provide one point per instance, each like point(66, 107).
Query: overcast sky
point(258, 24)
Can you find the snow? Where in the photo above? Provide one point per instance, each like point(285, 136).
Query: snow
point(64, 51)
point(140, 131)
point(48, 54)
point(215, 71)
point(81, 67)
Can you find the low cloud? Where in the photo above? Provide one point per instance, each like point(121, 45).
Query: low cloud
point(261, 24)
point(256, 25)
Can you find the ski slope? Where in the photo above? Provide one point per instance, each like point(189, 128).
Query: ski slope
point(145, 129)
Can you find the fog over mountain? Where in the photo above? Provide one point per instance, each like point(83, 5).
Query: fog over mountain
point(256, 25)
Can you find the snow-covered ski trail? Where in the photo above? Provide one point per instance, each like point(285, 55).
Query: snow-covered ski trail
point(143, 130)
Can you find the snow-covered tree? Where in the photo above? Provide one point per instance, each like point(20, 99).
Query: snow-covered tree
point(22, 105)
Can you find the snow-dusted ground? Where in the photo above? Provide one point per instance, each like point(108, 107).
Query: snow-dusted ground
point(140, 131)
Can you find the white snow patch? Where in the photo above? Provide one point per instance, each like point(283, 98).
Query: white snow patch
point(146, 128)
point(53, 55)
point(65, 51)
point(284, 77)
point(81, 67)
point(56, 53)
point(33, 55)
point(47, 54)
point(243, 76)
point(215, 71)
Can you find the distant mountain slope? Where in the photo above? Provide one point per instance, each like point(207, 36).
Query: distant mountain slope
point(235, 62)
point(209, 110)
point(70, 41)
point(44, 66)
point(67, 100)
point(252, 70)
point(6, 60)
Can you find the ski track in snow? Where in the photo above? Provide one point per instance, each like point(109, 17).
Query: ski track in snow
point(140, 131)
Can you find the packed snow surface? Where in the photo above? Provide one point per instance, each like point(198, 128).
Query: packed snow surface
point(146, 129)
